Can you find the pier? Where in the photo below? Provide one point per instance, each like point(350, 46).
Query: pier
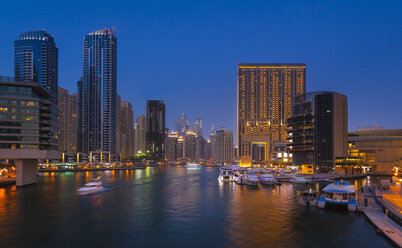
point(377, 205)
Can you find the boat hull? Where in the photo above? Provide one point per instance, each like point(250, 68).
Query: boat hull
point(89, 191)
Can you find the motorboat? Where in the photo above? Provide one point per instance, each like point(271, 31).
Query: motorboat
point(251, 179)
point(240, 172)
point(240, 179)
point(226, 175)
point(299, 180)
point(95, 185)
point(308, 198)
point(267, 179)
point(193, 166)
point(339, 193)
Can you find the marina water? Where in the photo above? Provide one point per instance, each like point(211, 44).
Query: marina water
point(172, 207)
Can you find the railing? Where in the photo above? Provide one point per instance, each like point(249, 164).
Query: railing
point(7, 79)
point(395, 209)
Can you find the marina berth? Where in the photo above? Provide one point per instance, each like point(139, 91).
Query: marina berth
point(339, 193)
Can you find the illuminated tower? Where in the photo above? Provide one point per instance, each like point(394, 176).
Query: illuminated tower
point(264, 103)
point(97, 95)
point(36, 59)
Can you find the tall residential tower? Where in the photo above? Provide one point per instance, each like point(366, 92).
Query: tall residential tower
point(155, 137)
point(97, 93)
point(36, 59)
point(264, 103)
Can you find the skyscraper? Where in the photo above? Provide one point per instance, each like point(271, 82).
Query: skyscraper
point(318, 130)
point(198, 127)
point(189, 144)
point(97, 92)
point(36, 59)
point(155, 129)
point(264, 101)
point(68, 121)
point(140, 135)
point(181, 125)
point(126, 127)
point(210, 146)
point(224, 146)
point(171, 146)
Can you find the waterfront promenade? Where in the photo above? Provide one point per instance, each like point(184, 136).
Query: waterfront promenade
point(377, 205)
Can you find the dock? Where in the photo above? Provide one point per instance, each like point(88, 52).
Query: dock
point(387, 226)
point(371, 203)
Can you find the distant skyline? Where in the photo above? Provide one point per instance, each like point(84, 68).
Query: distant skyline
point(186, 53)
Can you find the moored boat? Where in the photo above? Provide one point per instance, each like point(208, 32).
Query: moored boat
point(251, 180)
point(226, 175)
point(267, 179)
point(308, 198)
point(299, 180)
point(339, 193)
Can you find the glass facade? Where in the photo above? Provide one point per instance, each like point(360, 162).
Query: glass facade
point(36, 59)
point(155, 137)
point(97, 94)
point(28, 116)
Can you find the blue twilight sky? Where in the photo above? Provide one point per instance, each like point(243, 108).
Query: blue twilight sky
point(186, 52)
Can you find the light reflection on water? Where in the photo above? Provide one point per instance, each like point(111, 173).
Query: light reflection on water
point(165, 207)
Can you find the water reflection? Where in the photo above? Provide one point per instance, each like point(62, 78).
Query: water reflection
point(165, 207)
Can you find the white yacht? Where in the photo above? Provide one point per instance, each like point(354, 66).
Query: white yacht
point(299, 179)
point(226, 175)
point(251, 180)
point(267, 179)
point(95, 185)
point(339, 193)
point(240, 179)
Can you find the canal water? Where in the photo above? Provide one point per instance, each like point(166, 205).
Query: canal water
point(171, 207)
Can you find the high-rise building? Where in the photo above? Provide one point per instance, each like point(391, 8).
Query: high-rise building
point(318, 130)
point(264, 103)
point(140, 135)
point(189, 145)
point(68, 121)
point(118, 124)
point(126, 127)
point(171, 146)
point(97, 93)
point(198, 127)
point(210, 146)
point(155, 129)
point(199, 148)
point(224, 146)
point(36, 59)
point(181, 125)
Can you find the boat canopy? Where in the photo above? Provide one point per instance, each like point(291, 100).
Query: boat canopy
point(340, 187)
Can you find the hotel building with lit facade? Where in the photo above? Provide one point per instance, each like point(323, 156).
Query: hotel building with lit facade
point(264, 103)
